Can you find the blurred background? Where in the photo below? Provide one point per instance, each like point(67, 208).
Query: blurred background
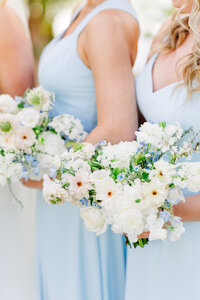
point(49, 18)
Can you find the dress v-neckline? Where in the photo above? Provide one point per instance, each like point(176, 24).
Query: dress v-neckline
point(171, 85)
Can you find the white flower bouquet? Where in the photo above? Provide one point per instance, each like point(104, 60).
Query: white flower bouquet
point(29, 137)
point(132, 186)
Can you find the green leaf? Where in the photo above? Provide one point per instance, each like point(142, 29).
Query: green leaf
point(145, 176)
point(53, 130)
point(21, 105)
point(171, 185)
point(137, 201)
point(162, 124)
point(77, 147)
point(140, 242)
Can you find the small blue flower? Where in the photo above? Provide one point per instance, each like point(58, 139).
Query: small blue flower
point(165, 215)
point(120, 177)
point(25, 174)
point(84, 202)
point(101, 143)
point(29, 158)
point(36, 171)
point(53, 172)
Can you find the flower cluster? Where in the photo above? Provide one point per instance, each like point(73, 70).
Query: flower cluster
point(29, 137)
point(132, 186)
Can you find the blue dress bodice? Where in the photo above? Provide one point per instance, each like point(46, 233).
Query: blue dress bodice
point(62, 71)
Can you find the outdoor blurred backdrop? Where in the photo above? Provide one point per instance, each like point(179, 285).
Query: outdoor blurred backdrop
point(50, 17)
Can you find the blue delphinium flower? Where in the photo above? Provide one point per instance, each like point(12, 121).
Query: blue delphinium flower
point(165, 215)
point(101, 143)
point(25, 174)
point(120, 177)
point(53, 172)
point(84, 202)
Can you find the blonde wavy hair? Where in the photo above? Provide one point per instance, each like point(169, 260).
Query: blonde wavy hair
point(175, 34)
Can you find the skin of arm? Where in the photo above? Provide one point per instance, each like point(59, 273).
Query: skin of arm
point(16, 57)
point(110, 53)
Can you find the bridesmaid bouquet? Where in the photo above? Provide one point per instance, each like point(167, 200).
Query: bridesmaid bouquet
point(132, 186)
point(29, 137)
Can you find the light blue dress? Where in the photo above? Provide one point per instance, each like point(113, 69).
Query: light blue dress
point(166, 270)
point(73, 263)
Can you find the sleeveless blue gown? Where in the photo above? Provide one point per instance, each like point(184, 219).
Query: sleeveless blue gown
point(166, 270)
point(73, 263)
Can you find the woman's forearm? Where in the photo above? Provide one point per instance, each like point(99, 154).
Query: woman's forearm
point(190, 210)
point(110, 134)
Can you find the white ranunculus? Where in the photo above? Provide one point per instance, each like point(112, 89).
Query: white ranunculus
point(29, 117)
point(94, 219)
point(7, 104)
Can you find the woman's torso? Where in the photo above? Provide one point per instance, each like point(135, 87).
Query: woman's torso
point(62, 70)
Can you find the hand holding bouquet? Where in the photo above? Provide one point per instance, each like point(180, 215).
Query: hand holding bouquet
point(29, 137)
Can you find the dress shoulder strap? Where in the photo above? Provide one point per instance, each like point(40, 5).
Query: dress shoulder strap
point(123, 5)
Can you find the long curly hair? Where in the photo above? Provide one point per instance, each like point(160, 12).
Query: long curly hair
point(175, 34)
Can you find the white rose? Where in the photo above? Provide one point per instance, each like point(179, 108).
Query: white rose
point(29, 117)
point(128, 221)
point(7, 104)
point(94, 219)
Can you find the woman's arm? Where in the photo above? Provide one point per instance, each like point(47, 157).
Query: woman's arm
point(190, 210)
point(16, 57)
point(111, 39)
